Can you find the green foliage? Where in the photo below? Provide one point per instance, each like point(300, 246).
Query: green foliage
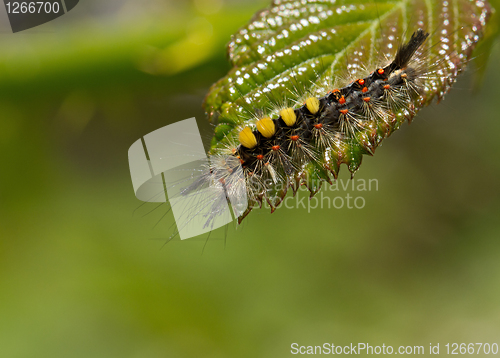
point(292, 48)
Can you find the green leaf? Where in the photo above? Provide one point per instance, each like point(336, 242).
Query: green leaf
point(295, 49)
point(295, 46)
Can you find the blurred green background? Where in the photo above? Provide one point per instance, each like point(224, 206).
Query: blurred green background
point(82, 276)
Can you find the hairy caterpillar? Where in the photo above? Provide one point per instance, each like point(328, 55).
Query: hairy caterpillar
point(275, 153)
point(270, 138)
point(337, 121)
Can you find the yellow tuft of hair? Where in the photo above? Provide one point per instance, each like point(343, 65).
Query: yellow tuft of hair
point(266, 127)
point(312, 104)
point(288, 116)
point(247, 138)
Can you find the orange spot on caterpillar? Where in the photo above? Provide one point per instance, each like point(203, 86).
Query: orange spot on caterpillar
point(260, 156)
point(380, 71)
point(364, 90)
point(344, 111)
point(276, 148)
point(318, 126)
point(294, 138)
point(404, 75)
point(367, 99)
point(342, 100)
point(387, 87)
point(361, 82)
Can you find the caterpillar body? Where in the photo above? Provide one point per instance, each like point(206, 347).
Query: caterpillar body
point(279, 148)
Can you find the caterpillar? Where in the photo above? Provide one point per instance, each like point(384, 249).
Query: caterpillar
point(305, 138)
point(270, 140)
point(276, 152)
